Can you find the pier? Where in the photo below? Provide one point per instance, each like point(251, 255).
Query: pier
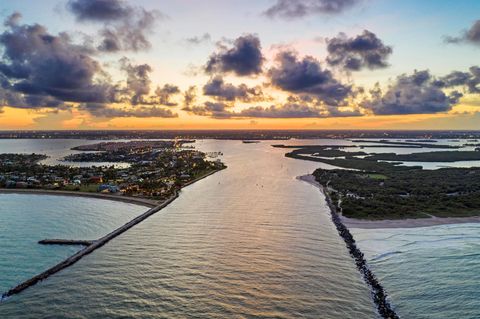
point(65, 242)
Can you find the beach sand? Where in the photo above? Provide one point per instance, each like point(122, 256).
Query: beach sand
point(126, 199)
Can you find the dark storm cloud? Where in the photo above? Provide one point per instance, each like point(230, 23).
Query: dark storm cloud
point(103, 110)
point(37, 63)
point(291, 9)
point(419, 93)
point(165, 94)
point(353, 54)
point(306, 76)
point(126, 28)
point(244, 58)
point(471, 35)
point(217, 88)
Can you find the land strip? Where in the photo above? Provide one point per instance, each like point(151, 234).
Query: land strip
point(96, 243)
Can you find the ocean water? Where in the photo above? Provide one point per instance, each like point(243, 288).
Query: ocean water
point(26, 219)
point(429, 272)
point(251, 241)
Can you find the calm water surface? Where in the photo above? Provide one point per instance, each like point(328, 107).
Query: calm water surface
point(429, 272)
point(56, 149)
point(249, 241)
point(26, 219)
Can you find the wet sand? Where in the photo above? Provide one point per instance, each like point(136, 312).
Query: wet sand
point(396, 223)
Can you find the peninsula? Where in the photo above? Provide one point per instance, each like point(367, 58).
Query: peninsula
point(156, 170)
point(365, 187)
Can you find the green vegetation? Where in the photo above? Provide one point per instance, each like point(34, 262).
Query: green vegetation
point(419, 144)
point(445, 156)
point(365, 188)
point(404, 193)
point(325, 151)
point(153, 173)
point(376, 176)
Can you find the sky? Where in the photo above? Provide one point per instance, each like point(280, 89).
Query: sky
point(228, 64)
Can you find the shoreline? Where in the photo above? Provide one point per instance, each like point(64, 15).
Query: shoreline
point(125, 199)
point(91, 246)
point(379, 295)
point(150, 203)
point(395, 223)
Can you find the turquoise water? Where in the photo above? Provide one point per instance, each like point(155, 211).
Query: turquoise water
point(26, 219)
point(429, 272)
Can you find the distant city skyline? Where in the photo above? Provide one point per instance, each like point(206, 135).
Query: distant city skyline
point(270, 64)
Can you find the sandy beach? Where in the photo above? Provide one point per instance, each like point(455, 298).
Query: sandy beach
point(395, 223)
point(119, 198)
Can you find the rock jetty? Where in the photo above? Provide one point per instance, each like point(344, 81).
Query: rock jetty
point(85, 251)
point(378, 293)
point(65, 242)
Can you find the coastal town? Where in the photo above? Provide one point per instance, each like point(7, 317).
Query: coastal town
point(155, 170)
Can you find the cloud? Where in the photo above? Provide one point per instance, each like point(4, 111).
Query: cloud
point(17, 100)
point(291, 109)
point(471, 35)
point(197, 40)
point(292, 9)
point(38, 64)
point(217, 88)
point(353, 54)
point(419, 93)
point(99, 10)
point(165, 94)
point(470, 80)
point(296, 110)
point(138, 86)
point(103, 110)
point(41, 70)
point(190, 96)
point(216, 110)
point(138, 81)
point(306, 76)
point(244, 58)
point(125, 28)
